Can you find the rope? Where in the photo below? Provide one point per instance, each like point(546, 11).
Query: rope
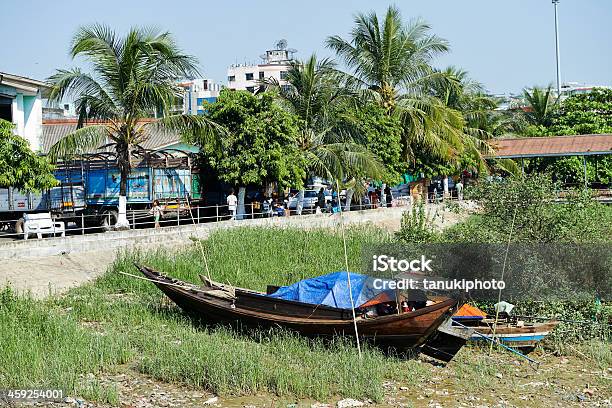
point(348, 274)
point(502, 277)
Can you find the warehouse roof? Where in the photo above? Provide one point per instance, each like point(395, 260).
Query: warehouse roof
point(582, 145)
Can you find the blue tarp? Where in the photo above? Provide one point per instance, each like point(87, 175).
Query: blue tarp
point(330, 290)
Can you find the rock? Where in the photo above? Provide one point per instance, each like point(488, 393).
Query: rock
point(589, 391)
point(349, 403)
point(69, 400)
point(211, 400)
point(404, 388)
point(499, 375)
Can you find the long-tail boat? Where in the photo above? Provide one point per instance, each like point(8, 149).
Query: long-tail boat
point(219, 303)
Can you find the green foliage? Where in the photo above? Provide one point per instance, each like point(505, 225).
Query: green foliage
point(417, 226)
point(131, 78)
point(383, 137)
point(589, 113)
point(261, 145)
point(20, 167)
point(541, 105)
point(527, 207)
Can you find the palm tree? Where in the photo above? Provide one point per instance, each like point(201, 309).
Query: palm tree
point(131, 79)
point(540, 105)
point(391, 61)
point(328, 139)
point(482, 123)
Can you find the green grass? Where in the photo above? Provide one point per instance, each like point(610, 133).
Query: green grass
point(122, 321)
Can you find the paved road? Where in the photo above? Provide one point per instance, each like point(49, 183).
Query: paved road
point(43, 276)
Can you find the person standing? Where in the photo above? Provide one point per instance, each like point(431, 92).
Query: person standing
point(459, 188)
point(321, 199)
point(232, 202)
point(388, 196)
point(157, 212)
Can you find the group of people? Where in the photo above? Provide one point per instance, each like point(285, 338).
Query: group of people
point(380, 197)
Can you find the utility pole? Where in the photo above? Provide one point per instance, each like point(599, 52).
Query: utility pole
point(555, 3)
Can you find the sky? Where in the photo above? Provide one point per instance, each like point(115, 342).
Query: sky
point(506, 45)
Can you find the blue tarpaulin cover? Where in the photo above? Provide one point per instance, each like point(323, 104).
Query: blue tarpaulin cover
point(330, 290)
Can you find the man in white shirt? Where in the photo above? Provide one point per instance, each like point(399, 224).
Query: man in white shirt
point(232, 202)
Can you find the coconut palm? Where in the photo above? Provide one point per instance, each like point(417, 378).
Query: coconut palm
point(482, 123)
point(131, 79)
point(328, 139)
point(391, 61)
point(540, 105)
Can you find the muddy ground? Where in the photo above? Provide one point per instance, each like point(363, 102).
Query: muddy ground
point(473, 379)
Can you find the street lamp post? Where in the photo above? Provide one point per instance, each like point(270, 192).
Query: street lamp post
point(555, 3)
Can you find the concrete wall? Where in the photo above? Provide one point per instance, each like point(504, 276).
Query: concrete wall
point(181, 234)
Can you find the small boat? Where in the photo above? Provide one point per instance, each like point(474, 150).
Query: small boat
point(512, 331)
point(219, 303)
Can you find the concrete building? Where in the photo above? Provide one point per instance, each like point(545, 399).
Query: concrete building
point(275, 64)
point(198, 92)
point(21, 104)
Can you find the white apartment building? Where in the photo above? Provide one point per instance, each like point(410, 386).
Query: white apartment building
point(275, 64)
point(198, 92)
point(21, 104)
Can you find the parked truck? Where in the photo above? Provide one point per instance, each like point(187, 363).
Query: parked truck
point(89, 193)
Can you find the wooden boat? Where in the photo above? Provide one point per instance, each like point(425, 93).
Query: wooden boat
point(514, 333)
point(510, 330)
point(218, 303)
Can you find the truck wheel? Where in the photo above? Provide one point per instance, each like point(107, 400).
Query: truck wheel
point(19, 226)
point(108, 220)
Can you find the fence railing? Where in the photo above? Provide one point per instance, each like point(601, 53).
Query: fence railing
point(185, 213)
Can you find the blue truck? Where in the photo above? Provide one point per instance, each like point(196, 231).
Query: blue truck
point(89, 191)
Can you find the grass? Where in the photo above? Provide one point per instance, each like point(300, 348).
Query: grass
point(121, 321)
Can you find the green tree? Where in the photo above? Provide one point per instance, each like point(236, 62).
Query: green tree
point(20, 167)
point(329, 139)
point(391, 63)
point(589, 113)
point(261, 144)
point(540, 106)
point(131, 78)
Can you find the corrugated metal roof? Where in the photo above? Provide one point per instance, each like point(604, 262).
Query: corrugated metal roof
point(54, 130)
point(583, 145)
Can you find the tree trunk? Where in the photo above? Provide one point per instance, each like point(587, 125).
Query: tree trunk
point(445, 185)
point(240, 213)
point(124, 167)
point(299, 205)
point(349, 199)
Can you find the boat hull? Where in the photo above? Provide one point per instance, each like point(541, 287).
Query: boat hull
point(251, 309)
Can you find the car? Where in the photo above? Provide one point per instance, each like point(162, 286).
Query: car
point(310, 199)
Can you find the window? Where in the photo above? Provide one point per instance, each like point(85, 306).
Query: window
point(286, 88)
point(6, 108)
point(251, 89)
point(261, 75)
point(283, 74)
point(249, 76)
point(231, 78)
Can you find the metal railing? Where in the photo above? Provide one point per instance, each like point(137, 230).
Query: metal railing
point(82, 223)
point(184, 213)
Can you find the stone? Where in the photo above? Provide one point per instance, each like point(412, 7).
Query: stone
point(211, 400)
point(349, 403)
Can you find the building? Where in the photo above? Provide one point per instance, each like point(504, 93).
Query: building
point(575, 88)
point(21, 104)
point(198, 92)
point(275, 64)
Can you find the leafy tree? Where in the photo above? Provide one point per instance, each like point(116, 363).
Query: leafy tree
point(383, 137)
point(132, 78)
point(391, 63)
point(20, 167)
point(589, 113)
point(261, 144)
point(329, 136)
